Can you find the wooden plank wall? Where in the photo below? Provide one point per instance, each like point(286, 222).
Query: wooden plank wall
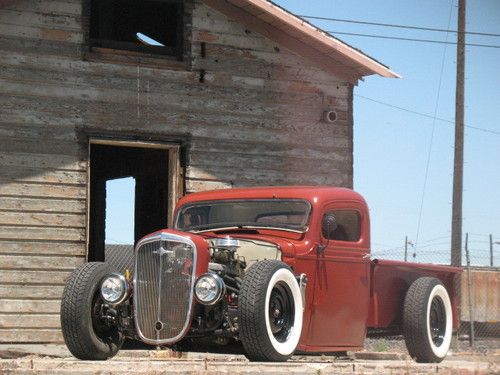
point(254, 120)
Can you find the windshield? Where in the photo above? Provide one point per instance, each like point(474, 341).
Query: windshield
point(287, 214)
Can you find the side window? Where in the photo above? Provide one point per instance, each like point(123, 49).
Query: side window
point(341, 225)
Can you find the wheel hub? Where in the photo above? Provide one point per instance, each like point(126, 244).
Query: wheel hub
point(281, 312)
point(437, 321)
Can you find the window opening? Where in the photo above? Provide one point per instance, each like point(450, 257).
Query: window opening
point(152, 26)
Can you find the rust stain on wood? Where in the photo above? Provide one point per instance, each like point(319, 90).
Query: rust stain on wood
point(55, 34)
point(207, 36)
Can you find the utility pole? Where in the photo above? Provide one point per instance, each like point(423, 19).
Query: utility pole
point(458, 167)
point(406, 248)
point(470, 292)
point(491, 250)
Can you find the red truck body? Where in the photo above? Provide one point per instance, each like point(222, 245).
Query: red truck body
point(347, 291)
point(277, 269)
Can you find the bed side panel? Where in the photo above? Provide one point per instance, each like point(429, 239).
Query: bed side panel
point(391, 280)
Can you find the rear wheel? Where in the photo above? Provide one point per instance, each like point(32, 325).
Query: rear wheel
point(270, 310)
point(427, 320)
point(85, 334)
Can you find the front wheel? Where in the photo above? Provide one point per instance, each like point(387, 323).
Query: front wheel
point(427, 320)
point(270, 312)
point(85, 335)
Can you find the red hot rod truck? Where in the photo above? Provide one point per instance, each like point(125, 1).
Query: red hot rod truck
point(281, 269)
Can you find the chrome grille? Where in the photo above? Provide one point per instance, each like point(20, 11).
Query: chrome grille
point(163, 287)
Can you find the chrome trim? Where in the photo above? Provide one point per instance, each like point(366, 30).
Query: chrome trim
point(227, 242)
point(220, 285)
point(126, 292)
point(166, 237)
point(302, 279)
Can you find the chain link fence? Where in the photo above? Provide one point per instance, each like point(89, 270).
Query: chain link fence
point(479, 286)
point(121, 257)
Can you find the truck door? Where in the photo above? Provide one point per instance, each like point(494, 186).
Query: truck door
point(342, 278)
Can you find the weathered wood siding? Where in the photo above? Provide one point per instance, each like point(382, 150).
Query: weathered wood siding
point(254, 120)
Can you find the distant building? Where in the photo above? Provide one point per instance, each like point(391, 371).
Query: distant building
point(181, 95)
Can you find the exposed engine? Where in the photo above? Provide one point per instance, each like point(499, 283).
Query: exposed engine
point(230, 257)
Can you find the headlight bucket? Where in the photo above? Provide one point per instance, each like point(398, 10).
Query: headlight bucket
point(114, 289)
point(209, 289)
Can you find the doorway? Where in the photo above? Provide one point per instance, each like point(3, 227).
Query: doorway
point(133, 187)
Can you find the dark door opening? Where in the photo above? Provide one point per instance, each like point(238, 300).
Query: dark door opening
point(150, 170)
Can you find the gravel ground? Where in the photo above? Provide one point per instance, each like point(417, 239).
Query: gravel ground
point(381, 356)
point(483, 346)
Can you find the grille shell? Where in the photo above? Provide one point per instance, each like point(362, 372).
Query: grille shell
point(164, 276)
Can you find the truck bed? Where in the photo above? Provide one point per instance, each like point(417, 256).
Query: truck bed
point(391, 279)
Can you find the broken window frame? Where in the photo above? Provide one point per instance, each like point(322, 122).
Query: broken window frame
point(176, 51)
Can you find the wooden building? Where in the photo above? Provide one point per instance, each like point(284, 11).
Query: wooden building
point(181, 95)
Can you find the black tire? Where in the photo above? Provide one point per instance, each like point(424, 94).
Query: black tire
point(270, 285)
point(85, 336)
point(427, 320)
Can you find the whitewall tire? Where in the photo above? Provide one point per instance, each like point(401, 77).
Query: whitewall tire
point(427, 320)
point(270, 312)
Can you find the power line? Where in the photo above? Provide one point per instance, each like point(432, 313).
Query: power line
point(434, 244)
point(429, 152)
point(413, 39)
point(425, 114)
point(478, 234)
point(434, 239)
point(397, 26)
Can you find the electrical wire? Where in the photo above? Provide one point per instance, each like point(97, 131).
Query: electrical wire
point(426, 114)
point(433, 244)
point(434, 239)
point(376, 36)
point(397, 26)
point(478, 234)
point(429, 152)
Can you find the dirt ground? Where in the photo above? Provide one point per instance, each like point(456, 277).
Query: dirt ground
point(385, 356)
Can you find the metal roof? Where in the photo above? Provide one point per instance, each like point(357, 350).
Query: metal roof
point(301, 37)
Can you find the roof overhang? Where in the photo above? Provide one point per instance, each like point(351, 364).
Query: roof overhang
point(299, 36)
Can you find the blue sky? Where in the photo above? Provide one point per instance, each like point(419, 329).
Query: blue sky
point(391, 147)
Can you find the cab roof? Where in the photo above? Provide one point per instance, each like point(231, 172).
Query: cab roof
point(313, 194)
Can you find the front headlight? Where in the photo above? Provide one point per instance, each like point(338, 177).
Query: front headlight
point(209, 288)
point(114, 289)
